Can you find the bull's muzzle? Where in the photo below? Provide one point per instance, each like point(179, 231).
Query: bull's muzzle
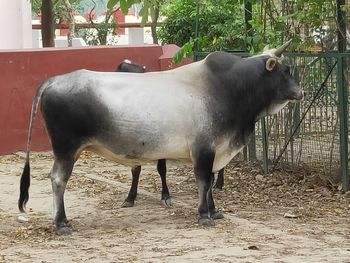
point(298, 96)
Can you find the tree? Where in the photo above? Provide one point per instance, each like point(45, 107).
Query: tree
point(52, 12)
point(48, 24)
point(154, 20)
point(70, 20)
point(310, 23)
point(220, 26)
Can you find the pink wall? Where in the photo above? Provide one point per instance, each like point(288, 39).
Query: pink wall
point(21, 72)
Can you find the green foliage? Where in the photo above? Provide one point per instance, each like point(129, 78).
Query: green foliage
point(179, 27)
point(185, 51)
point(220, 25)
point(222, 22)
point(307, 22)
point(310, 23)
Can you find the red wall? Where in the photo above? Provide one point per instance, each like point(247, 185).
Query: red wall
point(21, 72)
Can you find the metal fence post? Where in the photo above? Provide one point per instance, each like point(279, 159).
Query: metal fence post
point(296, 109)
point(343, 118)
point(342, 95)
point(248, 16)
point(264, 145)
point(252, 147)
point(196, 33)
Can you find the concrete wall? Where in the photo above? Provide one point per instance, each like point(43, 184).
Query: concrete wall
point(23, 70)
point(16, 21)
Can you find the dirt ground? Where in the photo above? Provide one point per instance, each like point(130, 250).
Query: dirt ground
point(288, 216)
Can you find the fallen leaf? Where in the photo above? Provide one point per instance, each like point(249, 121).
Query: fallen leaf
point(291, 215)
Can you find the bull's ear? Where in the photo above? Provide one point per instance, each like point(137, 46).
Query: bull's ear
point(271, 63)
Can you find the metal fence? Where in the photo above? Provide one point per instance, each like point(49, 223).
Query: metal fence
point(319, 124)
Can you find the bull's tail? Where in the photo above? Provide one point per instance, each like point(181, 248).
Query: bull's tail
point(25, 178)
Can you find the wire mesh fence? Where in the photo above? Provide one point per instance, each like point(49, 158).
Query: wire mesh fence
point(317, 138)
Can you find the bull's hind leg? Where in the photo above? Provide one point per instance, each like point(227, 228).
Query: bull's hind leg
point(60, 174)
point(213, 213)
point(219, 181)
point(161, 167)
point(130, 200)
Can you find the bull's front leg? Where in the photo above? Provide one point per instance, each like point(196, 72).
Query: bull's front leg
point(203, 166)
point(161, 167)
point(130, 200)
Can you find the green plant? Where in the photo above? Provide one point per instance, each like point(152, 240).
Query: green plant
point(310, 23)
point(221, 26)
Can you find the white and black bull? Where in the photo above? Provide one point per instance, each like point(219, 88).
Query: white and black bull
point(202, 113)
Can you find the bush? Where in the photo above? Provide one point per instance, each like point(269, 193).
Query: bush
point(221, 24)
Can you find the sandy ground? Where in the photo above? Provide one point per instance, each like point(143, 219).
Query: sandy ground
point(256, 227)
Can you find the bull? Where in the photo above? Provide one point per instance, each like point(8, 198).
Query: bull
point(202, 113)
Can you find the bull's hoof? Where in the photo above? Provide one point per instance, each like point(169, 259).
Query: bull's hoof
point(206, 221)
point(127, 203)
point(64, 231)
point(67, 223)
point(217, 215)
point(166, 202)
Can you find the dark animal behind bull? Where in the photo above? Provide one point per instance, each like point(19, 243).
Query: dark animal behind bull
point(201, 113)
point(133, 67)
point(130, 66)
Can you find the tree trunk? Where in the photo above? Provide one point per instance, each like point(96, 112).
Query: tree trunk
point(71, 22)
point(47, 24)
point(154, 23)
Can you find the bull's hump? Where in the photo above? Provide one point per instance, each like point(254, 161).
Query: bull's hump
point(220, 61)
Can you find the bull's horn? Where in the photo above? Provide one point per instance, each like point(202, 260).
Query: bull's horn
point(282, 48)
point(266, 48)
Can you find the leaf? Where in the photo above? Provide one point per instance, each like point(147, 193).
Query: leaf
point(142, 11)
point(291, 215)
point(144, 14)
point(286, 17)
point(124, 7)
point(152, 12)
point(185, 51)
point(144, 19)
point(214, 41)
point(111, 4)
point(131, 2)
point(177, 58)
